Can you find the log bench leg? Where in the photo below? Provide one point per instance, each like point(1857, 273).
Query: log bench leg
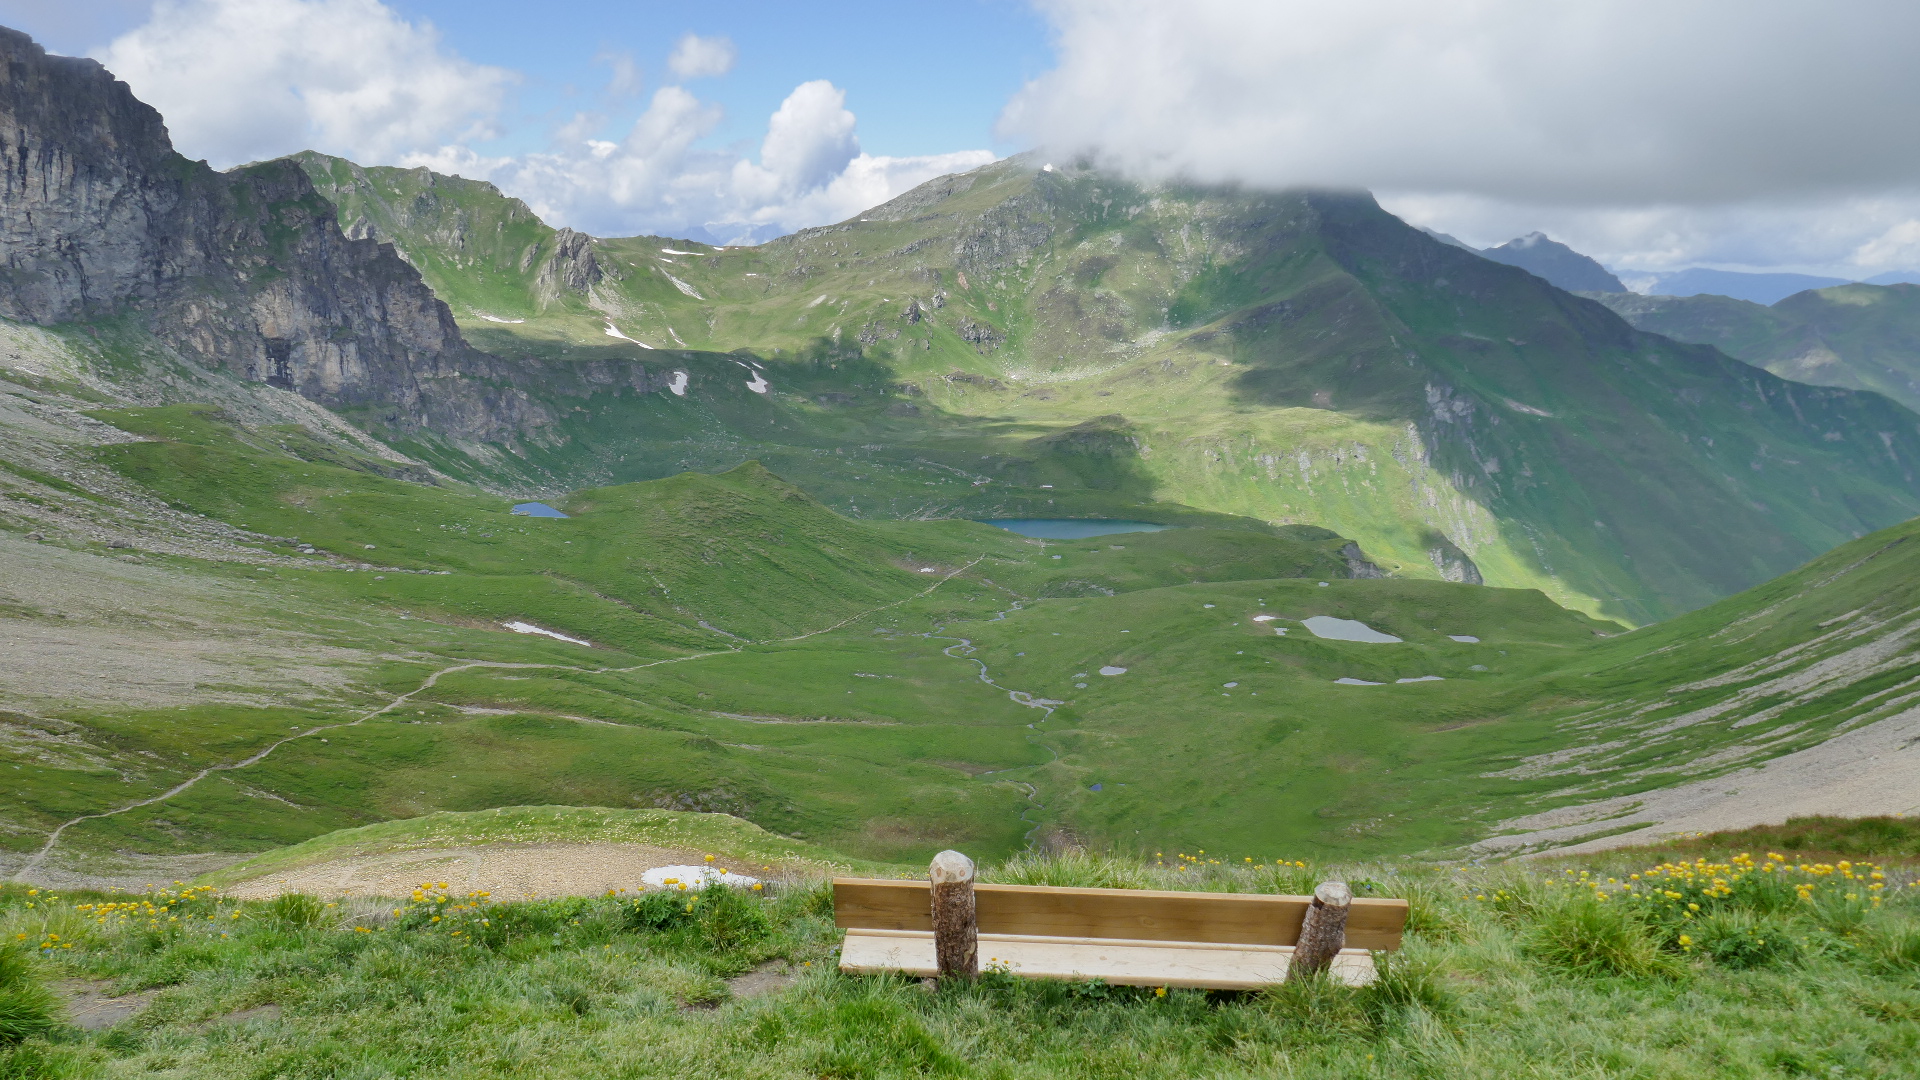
point(956, 932)
point(1324, 931)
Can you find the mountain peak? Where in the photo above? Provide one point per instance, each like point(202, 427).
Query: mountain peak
point(1543, 257)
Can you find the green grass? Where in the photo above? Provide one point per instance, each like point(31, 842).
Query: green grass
point(1503, 972)
point(756, 654)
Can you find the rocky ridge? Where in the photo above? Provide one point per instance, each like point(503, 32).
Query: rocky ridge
point(247, 271)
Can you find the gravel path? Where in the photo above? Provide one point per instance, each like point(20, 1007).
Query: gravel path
point(508, 871)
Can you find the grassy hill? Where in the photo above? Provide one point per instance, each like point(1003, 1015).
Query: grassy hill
point(1014, 340)
point(1864, 337)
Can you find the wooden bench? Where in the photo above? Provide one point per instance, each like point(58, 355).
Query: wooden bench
point(1133, 937)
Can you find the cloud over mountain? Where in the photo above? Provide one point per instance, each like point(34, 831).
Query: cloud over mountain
point(1629, 101)
point(243, 80)
point(1618, 108)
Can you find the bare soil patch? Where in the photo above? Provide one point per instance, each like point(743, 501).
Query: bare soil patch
point(93, 1006)
point(1867, 772)
point(508, 871)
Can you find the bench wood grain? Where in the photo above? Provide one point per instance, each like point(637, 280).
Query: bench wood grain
point(1130, 914)
point(1119, 961)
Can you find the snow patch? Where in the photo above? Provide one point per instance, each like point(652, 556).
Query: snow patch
point(614, 332)
point(1422, 678)
point(679, 384)
point(683, 286)
point(496, 318)
point(519, 627)
point(670, 251)
point(759, 383)
point(1468, 638)
point(1357, 682)
point(1265, 618)
point(1111, 670)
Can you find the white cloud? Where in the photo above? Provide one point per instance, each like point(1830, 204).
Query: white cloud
point(242, 80)
point(625, 81)
point(696, 57)
point(810, 138)
point(1655, 122)
point(658, 179)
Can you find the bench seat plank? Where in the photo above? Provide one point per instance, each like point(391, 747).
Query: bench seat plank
point(1120, 961)
point(1137, 914)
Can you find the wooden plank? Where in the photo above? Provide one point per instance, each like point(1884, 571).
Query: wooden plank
point(1142, 914)
point(1118, 961)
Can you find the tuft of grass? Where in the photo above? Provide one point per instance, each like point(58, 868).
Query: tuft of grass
point(1583, 934)
point(27, 1006)
point(1741, 940)
point(299, 911)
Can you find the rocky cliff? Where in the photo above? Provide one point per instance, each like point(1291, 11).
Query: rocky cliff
point(246, 270)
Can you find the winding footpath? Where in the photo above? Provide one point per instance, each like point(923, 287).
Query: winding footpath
point(53, 838)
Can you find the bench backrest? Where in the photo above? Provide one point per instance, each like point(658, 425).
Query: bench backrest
point(1141, 914)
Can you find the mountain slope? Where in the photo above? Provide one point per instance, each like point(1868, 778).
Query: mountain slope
point(1553, 261)
point(244, 271)
point(1293, 357)
point(1011, 341)
point(1795, 697)
point(1865, 337)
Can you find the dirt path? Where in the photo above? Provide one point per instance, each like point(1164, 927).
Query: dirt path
point(33, 863)
point(1869, 771)
point(508, 871)
point(53, 838)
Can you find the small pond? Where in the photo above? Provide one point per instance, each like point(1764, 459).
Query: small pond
point(1071, 528)
point(1326, 626)
point(537, 510)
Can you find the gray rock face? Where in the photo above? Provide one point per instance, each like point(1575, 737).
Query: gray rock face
point(245, 270)
point(571, 267)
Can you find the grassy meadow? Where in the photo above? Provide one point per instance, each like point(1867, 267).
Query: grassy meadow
point(1745, 963)
point(889, 688)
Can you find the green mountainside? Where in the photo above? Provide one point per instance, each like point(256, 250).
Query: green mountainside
point(886, 688)
point(1291, 358)
point(1864, 337)
point(242, 609)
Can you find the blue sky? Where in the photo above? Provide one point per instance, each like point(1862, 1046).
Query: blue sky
point(924, 78)
point(1651, 134)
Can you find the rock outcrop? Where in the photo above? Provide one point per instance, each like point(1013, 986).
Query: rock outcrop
point(245, 270)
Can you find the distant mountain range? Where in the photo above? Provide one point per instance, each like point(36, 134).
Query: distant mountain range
point(1574, 272)
point(1866, 337)
point(1557, 263)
